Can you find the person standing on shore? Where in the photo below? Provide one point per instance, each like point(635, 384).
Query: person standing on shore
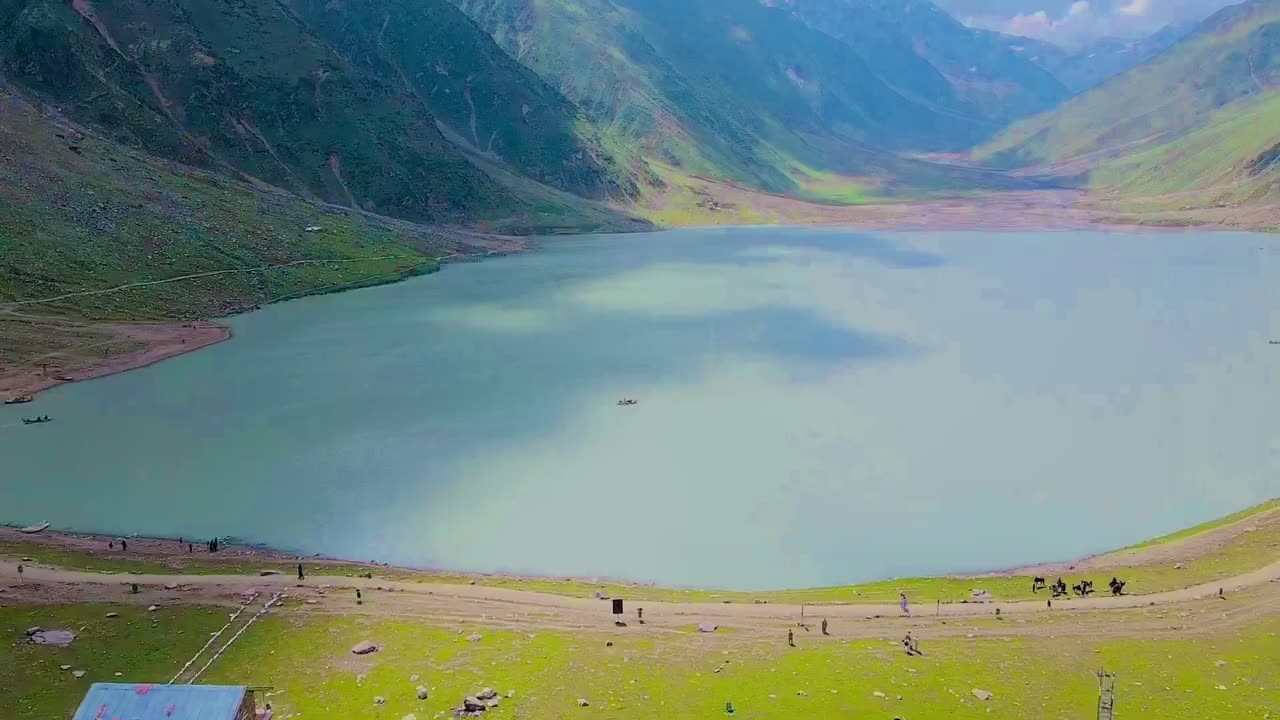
point(124, 545)
point(20, 580)
point(824, 627)
point(906, 608)
point(301, 575)
point(791, 637)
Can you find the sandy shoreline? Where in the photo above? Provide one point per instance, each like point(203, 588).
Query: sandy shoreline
point(162, 341)
point(160, 550)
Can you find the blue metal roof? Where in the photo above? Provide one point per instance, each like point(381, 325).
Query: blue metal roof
point(124, 701)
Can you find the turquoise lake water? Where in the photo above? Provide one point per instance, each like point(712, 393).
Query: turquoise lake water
point(816, 407)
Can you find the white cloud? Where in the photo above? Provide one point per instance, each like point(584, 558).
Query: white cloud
point(1135, 8)
point(1082, 21)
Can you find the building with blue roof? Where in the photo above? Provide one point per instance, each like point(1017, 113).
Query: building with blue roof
point(129, 701)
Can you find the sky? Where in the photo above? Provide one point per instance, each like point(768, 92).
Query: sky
point(1072, 23)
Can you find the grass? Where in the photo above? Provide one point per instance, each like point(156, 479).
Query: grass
point(141, 646)
point(307, 662)
point(1231, 158)
point(1211, 525)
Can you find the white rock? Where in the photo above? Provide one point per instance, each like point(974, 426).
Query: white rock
point(878, 694)
point(64, 668)
point(77, 674)
point(153, 608)
point(422, 692)
point(982, 694)
point(582, 702)
point(364, 648)
point(1220, 663)
point(379, 700)
point(414, 677)
point(475, 638)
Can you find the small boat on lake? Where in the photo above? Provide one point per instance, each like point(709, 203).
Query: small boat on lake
point(33, 529)
point(20, 400)
point(38, 420)
point(627, 401)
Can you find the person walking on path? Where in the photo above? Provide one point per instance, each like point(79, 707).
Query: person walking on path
point(20, 580)
point(791, 637)
point(906, 608)
point(301, 575)
point(124, 545)
point(640, 615)
point(824, 627)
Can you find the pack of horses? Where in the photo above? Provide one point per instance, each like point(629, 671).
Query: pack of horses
point(1084, 588)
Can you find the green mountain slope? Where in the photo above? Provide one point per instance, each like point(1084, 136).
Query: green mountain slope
point(1233, 159)
point(928, 55)
point(1231, 56)
point(729, 89)
point(348, 104)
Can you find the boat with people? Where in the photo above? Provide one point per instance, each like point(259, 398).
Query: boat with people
point(20, 400)
point(33, 529)
point(627, 401)
point(37, 420)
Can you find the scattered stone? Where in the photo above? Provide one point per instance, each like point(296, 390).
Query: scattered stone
point(119, 674)
point(1219, 687)
point(410, 716)
point(312, 228)
point(600, 595)
point(487, 694)
point(364, 648)
point(511, 694)
point(153, 608)
point(422, 692)
point(982, 694)
point(1177, 566)
point(264, 573)
point(414, 677)
point(379, 700)
point(64, 668)
point(312, 602)
point(475, 638)
point(802, 693)
point(492, 703)
point(170, 586)
point(1220, 663)
point(77, 674)
point(113, 614)
point(54, 638)
point(582, 702)
point(878, 694)
point(707, 627)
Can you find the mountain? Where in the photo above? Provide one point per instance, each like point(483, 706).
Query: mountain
point(738, 90)
point(1085, 68)
point(924, 53)
point(1232, 56)
point(1232, 160)
point(375, 105)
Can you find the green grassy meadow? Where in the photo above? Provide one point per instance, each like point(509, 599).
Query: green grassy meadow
point(307, 662)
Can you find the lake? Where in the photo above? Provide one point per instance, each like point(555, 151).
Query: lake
point(816, 407)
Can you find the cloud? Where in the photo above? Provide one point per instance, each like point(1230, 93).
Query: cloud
point(1080, 22)
point(1135, 8)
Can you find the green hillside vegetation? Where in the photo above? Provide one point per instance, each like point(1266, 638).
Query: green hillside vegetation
point(1231, 56)
point(1233, 159)
point(335, 104)
point(733, 91)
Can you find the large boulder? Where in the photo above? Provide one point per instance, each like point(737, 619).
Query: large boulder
point(364, 648)
point(54, 638)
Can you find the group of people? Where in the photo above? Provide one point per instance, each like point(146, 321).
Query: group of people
point(1084, 588)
